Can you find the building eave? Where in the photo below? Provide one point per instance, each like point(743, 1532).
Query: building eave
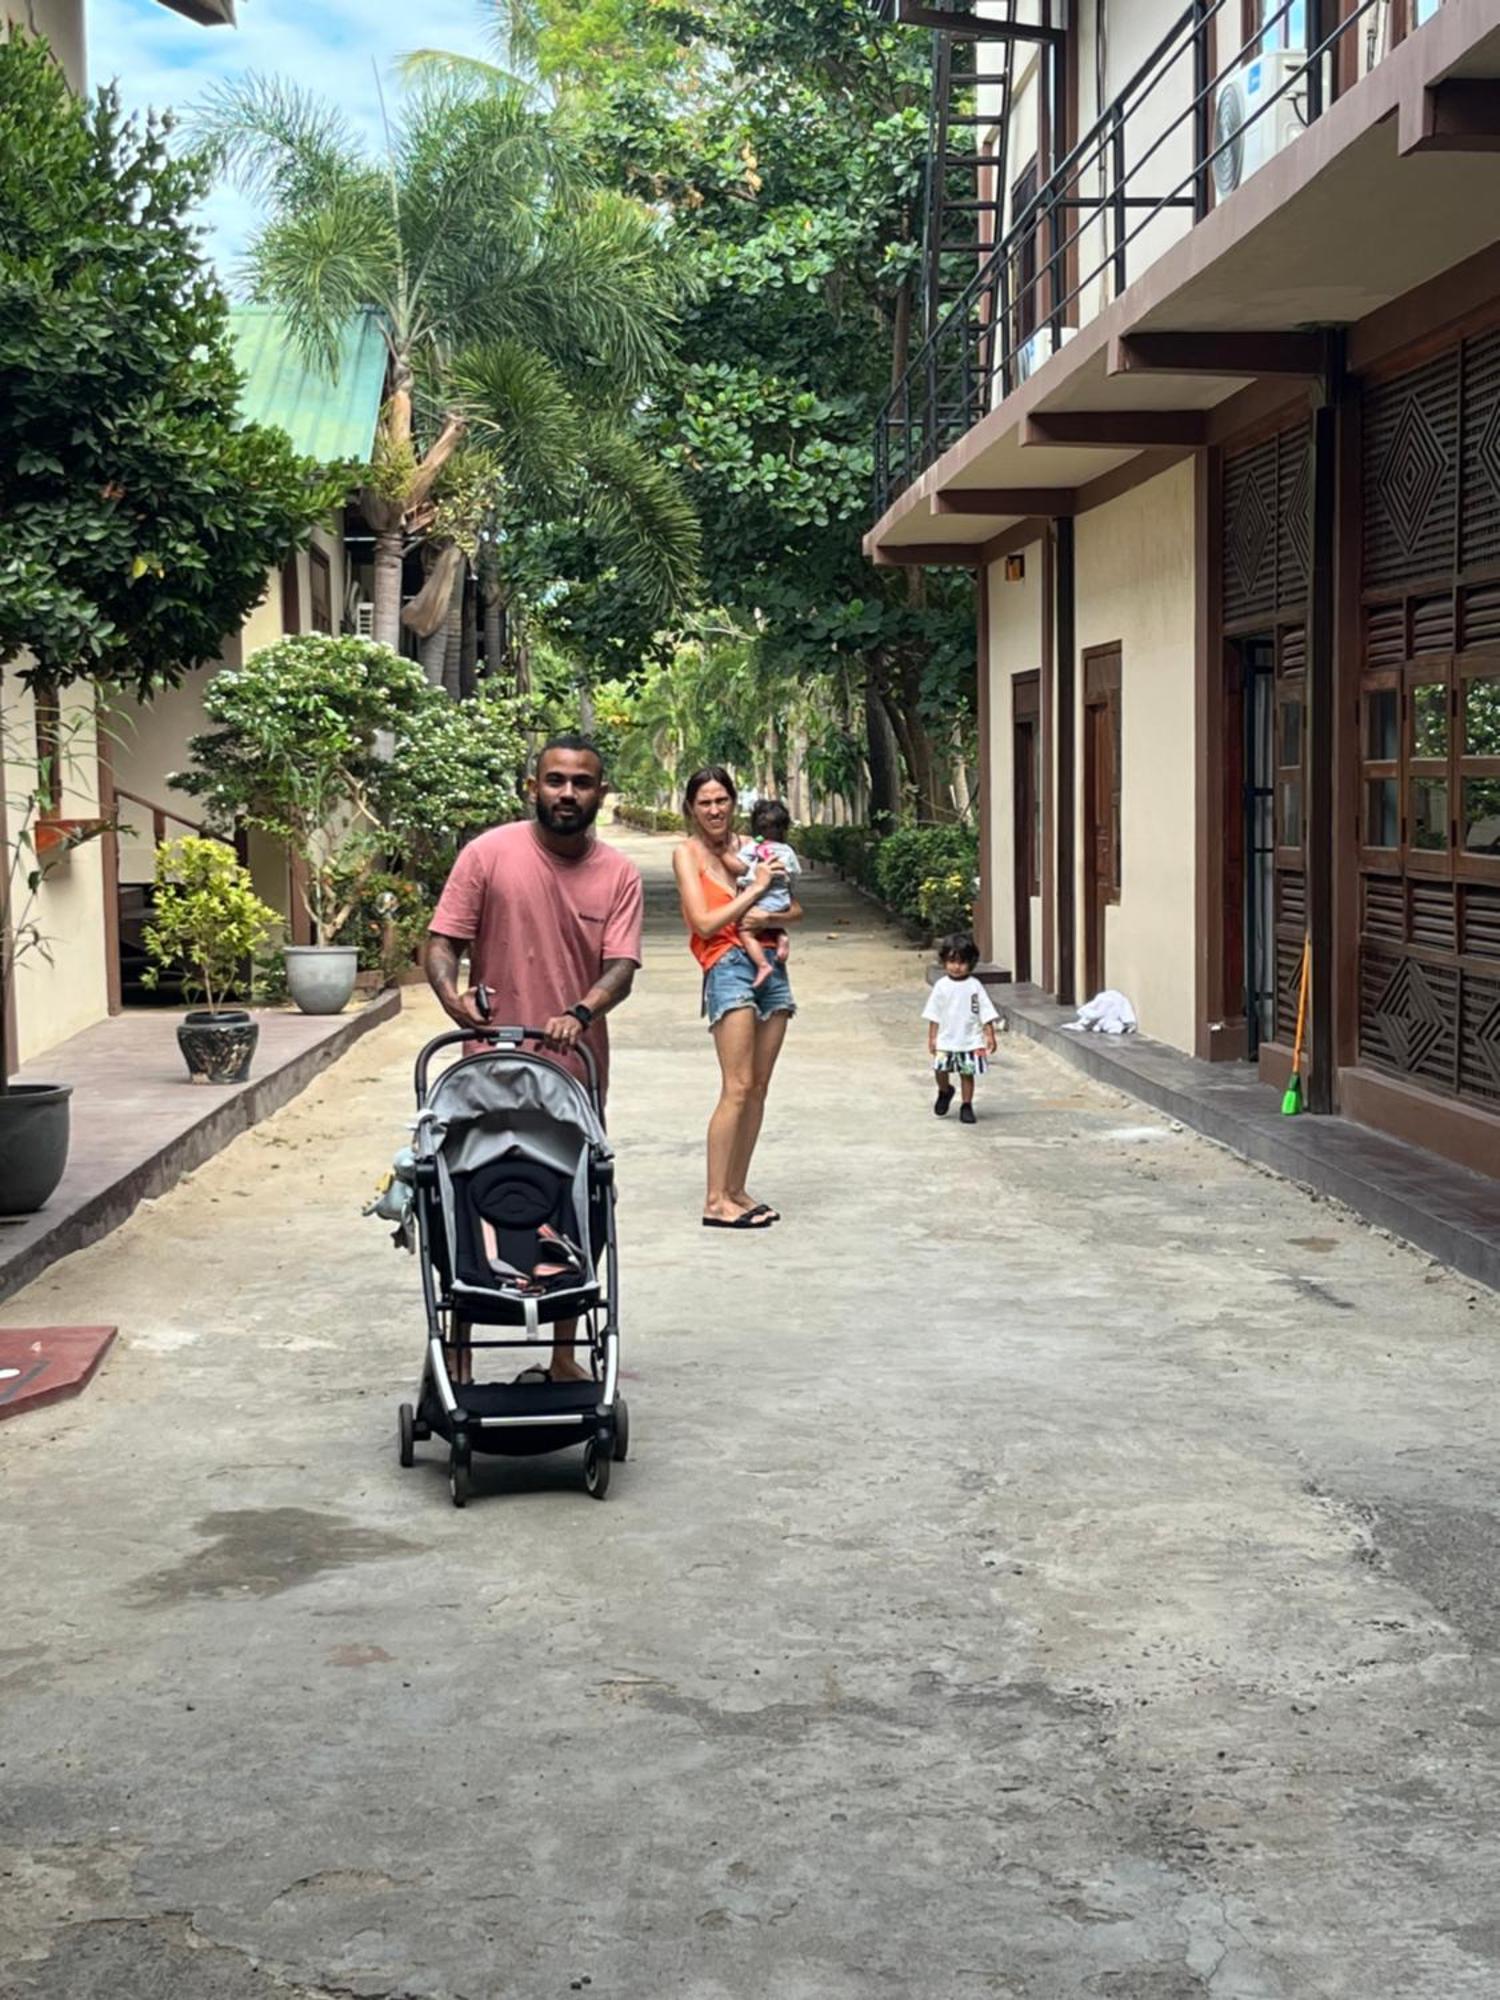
point(207, 13)
point(1291, 250)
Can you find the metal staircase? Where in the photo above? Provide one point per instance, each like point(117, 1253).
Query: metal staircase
point(966, 164)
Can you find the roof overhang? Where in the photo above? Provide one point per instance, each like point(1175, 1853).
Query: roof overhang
point(207, 13)
point(1397, 184)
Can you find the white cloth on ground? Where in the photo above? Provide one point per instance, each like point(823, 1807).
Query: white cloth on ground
point(1108, 1013)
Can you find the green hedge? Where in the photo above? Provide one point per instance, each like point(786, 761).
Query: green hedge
point(649, 819)
point(923, 873)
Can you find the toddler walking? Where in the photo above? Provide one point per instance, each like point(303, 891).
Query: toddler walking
point(960, 1019)
point(770, 823)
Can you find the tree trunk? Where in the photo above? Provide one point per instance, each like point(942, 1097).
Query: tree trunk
point(453, 631)
point(468, 655)
point(494, 635)
point(432, 652)
point(387, 624)
point(585, 709)
point(884, 757)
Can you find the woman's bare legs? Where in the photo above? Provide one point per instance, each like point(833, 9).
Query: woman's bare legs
point(769, 1036)
point(735, 1040)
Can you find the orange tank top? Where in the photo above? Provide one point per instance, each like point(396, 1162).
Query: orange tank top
point(708, 951)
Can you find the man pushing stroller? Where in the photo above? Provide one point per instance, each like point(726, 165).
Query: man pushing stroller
point(550, 918)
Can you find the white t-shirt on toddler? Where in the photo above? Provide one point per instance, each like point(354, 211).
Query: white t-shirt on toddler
point(961, 1009)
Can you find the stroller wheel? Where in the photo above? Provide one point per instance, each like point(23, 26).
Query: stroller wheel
point(596, 1466)
point(406, 1432)
point(459, 1483)
point(622, 1428)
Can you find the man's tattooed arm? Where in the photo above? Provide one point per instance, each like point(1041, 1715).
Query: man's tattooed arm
point(444, 957)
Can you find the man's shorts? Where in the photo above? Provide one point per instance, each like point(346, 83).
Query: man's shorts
point(728, 986)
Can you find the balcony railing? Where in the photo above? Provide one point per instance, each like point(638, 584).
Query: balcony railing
point(1178, 137)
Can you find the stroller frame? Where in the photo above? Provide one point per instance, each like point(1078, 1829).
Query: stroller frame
point(515, 1418)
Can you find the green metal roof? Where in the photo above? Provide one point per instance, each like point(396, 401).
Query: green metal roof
point(326, 417)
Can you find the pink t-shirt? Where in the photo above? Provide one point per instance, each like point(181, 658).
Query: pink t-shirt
point(540, 926)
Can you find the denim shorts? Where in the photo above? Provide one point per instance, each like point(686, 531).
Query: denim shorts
point(727, 986)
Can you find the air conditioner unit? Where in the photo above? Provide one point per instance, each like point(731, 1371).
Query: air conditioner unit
point(1043, 344)
point(1251, 121)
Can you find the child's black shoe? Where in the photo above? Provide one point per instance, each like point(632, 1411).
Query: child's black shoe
point(966, 1115)
point(942, 1102)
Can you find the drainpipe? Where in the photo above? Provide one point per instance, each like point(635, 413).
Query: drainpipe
point(1065, 730)
point(1322, 767)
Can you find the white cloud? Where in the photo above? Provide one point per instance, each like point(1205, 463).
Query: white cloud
point(337, 47)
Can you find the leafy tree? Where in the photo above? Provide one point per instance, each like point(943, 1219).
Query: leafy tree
point(785, 141)
point(526, 309)
point(294, 751)
point(455, 768)
point(342, 749)
point(138, 516)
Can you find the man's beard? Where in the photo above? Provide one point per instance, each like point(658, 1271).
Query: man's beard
point(575, 822)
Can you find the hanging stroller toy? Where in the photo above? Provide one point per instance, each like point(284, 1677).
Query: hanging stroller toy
point(507, 1196)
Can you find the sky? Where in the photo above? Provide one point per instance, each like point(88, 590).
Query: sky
point(165, 62)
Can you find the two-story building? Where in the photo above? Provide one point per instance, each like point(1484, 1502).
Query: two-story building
point(1209, 400)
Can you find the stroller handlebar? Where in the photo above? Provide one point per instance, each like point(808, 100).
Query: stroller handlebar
point(512, 1038)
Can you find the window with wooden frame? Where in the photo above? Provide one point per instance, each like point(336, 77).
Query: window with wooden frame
point(1430, 744)
point(1102, 690)
point(1291, 752)
point(1026, 700)
point(1273, 24)
point(291, 598)
point(320, 585)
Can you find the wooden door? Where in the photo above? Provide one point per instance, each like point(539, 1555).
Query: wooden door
point(1025, 813)
point(1101, 806)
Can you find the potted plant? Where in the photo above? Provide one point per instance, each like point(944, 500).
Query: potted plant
point(208, 919)
point(295, 751)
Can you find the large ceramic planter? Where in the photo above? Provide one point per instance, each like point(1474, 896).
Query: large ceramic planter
point(33, 1144)
point(217, 1047)
point(320, 977)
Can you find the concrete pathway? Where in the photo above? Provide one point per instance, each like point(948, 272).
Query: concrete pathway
point(1058, 1561)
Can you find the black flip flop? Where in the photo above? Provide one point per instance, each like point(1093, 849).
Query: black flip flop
point(745, 1221)
point(764, 1208)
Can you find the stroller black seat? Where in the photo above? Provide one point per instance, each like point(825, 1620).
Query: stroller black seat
point(517, 1228)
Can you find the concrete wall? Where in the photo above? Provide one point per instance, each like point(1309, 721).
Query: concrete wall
point(1136, 588)
point(151, 740)
point(1015, 629)
point(61, 21)
point(64, 988)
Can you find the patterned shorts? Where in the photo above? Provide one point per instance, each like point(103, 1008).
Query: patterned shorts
point(961, 1062)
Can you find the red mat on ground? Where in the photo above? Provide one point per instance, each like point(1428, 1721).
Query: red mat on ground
point(42, 1364)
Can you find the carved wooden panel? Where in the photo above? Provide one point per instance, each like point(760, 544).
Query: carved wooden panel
point(1481, 452)
point(1407, 1016)
point(1411, 474)
point(1480, 1050)
point(1266, 528)
point(1293, 517)
point(1429, 963)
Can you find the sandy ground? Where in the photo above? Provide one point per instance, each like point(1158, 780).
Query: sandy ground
point(1057, 1561)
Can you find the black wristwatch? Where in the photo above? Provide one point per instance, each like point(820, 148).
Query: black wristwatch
point(583, 1015)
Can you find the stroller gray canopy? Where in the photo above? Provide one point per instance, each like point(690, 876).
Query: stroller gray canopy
point(517, 1145)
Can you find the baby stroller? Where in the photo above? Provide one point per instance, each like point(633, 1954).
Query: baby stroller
point(507, 1196)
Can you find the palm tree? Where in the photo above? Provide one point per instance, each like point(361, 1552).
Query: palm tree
point(525, 310)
